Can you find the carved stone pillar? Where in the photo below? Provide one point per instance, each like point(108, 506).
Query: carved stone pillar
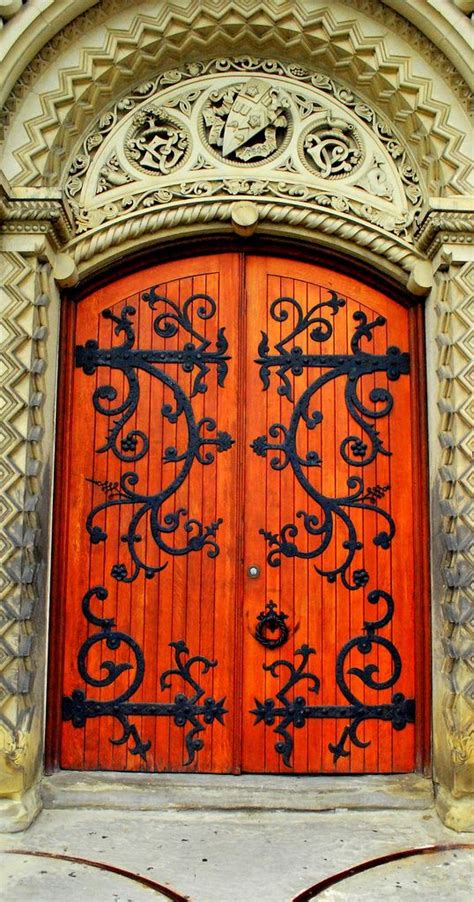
point(447, 238)
point(34, 226)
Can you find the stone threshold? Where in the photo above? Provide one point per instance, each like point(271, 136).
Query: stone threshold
point(223, 792)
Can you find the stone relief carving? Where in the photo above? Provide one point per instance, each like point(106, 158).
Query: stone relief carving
point(393, 86)
point(156, 142)
point(332, 148)
point(252, 188)
point(228, 116)
point(376, 180)
point(111, 175)
point(248, 121)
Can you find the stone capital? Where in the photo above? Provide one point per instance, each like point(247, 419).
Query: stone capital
point(35, 211)
point(448, 222)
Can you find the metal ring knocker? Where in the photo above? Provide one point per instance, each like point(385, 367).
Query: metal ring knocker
point(271, 620)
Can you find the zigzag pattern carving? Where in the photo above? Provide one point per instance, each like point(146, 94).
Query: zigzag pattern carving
point(455, 340)
point(23, 329)
point(144, 44)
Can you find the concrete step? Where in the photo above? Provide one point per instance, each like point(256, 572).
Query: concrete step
point(211, 792)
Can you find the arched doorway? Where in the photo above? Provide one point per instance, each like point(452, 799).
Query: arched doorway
point(237, 523)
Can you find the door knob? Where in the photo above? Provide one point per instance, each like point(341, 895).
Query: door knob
point(253, 572)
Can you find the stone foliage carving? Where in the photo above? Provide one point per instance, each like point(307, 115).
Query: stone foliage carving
point(202, 132)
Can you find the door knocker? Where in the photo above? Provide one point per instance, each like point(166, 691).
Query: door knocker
point(269, 621)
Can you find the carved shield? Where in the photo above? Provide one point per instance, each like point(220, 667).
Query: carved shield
point(256, 106)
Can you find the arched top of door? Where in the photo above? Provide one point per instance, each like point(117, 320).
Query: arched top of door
point(318, 122)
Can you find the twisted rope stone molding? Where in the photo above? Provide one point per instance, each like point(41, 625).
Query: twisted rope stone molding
point(130, 45)
point(289, 216)
point(174, 139)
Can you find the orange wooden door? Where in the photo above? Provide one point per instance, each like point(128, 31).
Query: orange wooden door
point(149, 543)
point(237, 446)
point(329, 525)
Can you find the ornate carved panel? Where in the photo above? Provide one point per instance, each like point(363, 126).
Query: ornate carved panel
point(243, 127)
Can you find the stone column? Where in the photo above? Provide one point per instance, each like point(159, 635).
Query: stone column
point(447, 237)
point(34, 226)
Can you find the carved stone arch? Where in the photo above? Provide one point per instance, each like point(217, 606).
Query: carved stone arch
point(165, 159)
point(112, 46)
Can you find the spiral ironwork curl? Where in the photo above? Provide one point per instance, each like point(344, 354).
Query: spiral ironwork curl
point(355, 451)
point(195, 355)
point(295, 712)
point(184, 710)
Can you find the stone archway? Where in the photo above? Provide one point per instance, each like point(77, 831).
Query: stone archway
point(370, 67)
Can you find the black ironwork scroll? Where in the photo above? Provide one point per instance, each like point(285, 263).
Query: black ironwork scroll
point(185, 710)
point(400, 711)
point(196, 356)
point(288, 358)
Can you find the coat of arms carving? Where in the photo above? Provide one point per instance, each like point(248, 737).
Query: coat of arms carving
point(247, 121)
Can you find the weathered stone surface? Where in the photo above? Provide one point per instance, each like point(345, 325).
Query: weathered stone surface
point(233, 856)
point(159, 792)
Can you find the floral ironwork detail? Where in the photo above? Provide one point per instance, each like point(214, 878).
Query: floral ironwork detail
point(271, 621)
point(196, 356)
point(192, 711)
point(296, 711)
point(289, 358)
point(110, 489)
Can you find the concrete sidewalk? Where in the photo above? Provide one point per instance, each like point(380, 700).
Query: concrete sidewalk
point(232, 856)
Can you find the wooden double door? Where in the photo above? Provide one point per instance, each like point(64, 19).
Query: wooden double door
point(236, 503)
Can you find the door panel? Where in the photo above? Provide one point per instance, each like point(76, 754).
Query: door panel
point(226, 413)
point(357, 490)
point(156, 595)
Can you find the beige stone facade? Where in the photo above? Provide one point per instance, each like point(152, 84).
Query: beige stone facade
point(385, 82)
